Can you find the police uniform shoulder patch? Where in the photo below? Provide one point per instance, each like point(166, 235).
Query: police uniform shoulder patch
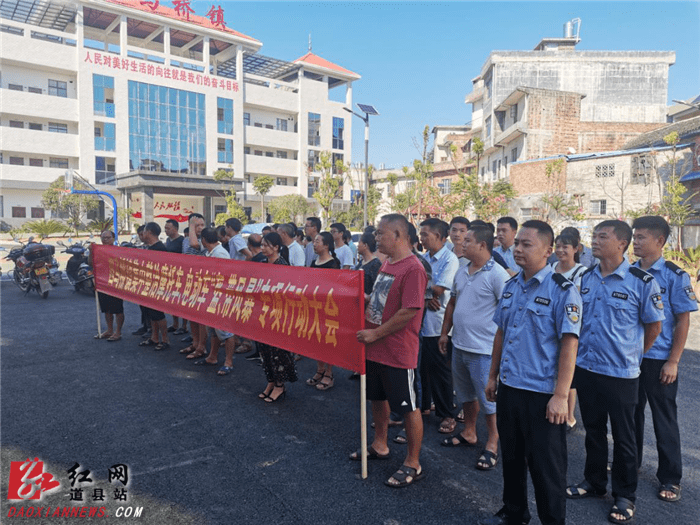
point(513, 278)
point(573, 313)
point(588, 270)
point(561, 280)
point(690, 293)
point(641, 274)
point(674, 268)
point(658, 302)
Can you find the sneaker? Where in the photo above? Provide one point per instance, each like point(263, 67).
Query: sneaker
point(254, 356)
point(140, 331)
point(171, 328)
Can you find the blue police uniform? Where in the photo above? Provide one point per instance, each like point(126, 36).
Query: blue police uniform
point(533, 317)
point(615, 309)
point(678, 297)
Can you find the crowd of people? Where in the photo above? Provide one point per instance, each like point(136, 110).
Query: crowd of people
point(469, 316)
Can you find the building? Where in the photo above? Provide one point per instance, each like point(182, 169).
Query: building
point(556, 100)
point(146, 102)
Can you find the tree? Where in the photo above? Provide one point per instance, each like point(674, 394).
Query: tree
point(43, 228)
point(674, 204)
point(405, 201)
point(234, 210)
point(290, 208)
point(557, 205)
point(355, 216)
point(330, 183)
point(478, 150)
point(75, 206)
point(423, 169)
point(262, 186)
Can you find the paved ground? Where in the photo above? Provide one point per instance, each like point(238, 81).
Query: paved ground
point(204, 449)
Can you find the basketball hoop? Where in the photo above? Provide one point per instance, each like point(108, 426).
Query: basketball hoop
point(68, 178)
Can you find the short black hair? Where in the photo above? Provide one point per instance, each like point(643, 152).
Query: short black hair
point(221, 231)
point(254, 241)
point(403, 224)
point(141, 228)
point(621, 229)
point(571, 232)
point(542, 228)
point(369, 240)
point(195, 215)
point(509, 221)
point(210, 235)
point(412, 233)
point(267, 229)
point(483, 233)
point(293, 225)
point(460, 220)
point(338, 226)
point(437, 226)
point(153, 228)
point(347, 236)
point(571, 240)
point(234, 224)
point(655, 224)
point(370, 229)
point(173, 222)
point(300, 233)
point(316, 222)
point(479, 222)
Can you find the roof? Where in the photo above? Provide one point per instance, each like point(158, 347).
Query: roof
point(315, 60)
point(603, 154)
point(464, 128)
point(684, 128)
point(688, 106)
point(693, 175)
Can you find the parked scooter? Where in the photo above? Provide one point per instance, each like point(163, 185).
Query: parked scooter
point(35, 268)
point(78, 269)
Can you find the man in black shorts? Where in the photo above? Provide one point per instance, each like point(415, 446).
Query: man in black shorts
point(393, 314)
point(112, 307)
point(159, 326)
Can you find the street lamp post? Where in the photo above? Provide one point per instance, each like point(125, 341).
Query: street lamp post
point(368, 110)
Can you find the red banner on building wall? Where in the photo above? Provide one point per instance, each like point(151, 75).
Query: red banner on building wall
point(313, 312)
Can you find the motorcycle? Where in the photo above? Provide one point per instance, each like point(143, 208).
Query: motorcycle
point(78, 269)
point(35, 268)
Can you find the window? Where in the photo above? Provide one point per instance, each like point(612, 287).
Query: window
point(246, 150)
point(225, 151)
point(258, 153)
point(483, 173)
point(105, 172)
point(282, 181)
point(219, 208)
point(641, 169)
point(514, 154)
point(58, 88)
point(246, 119)
point(281, 124)
point(488, 127)
point(105, 139)
point(281, 154)
point(494, 170)
point(35, 126)
point(15, 87)
point(337, 157)
point(17, 161)
point(19, 212)
point(599, 207)
point(605, 170)
point(37, 163)
point(35, 90)
point(257, 125)
point(514, 113)
point(526, 214)
point(445, 186)
point(269, 154)
point(314, 129)
point(269, 126)
point(338, 125)
point(58, 162)
point(501, 119)
point(58, 128)
point(103, 95)
point(37, 213)
point(410, 184)
point(224, 115)
point(16, 124)
point(313, 159)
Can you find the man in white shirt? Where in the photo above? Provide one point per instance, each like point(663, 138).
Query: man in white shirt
point(458, 232)
point(506, 228)
point(288, 235)
point(342, 250)
point(237, 247)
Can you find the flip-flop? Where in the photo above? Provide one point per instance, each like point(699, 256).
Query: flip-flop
point(447, 427)
point(187, 350)
point(400, 438)
point(112, 339)
point(162, 346)
point(194, 355)
point(462, 441)
point(402, 476)
point(102, 336)
point(225, 370)
point(371, 454)
point(489, 458)
point(148, 342)
point(202, 362)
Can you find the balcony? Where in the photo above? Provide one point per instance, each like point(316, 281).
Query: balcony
point(25, 177)
point(40, 106)
point(272, 138)
point(38, 143)
point(42, 52)
point(278, 95)
point(271, 166)
point(511, 133)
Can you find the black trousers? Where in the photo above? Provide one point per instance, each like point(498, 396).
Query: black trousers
point(664, 414)
point(601, 396)
point(436, 378)
point(528, 440)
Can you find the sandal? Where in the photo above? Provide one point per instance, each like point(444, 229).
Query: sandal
point(114, 338)
point(583, 490)
point(325, 386)
point(187, 350)
point(461, 441)
point(447, 426)
point(225, 370)
point(405, 476)
point(148, 342)
point(103, 335)
point(162, 346)
point(624, 507)
point(670, 487)
point(487, 461)
point(400, 438)
point(196, 355)
point(313, 381)
point(371, 454)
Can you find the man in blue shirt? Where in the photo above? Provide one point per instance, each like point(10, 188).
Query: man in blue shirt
point(532, 365)
point(658, 382)
point(506, 228)
point(622, 314)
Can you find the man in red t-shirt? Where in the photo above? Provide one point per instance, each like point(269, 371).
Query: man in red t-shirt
point(393, 314)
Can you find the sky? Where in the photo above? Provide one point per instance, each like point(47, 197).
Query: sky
point(417, 59)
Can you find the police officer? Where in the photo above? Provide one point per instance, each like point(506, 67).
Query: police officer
point(534, 353)
point(659, 371)
point(622, 314)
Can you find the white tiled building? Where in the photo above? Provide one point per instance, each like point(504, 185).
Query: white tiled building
point(147, 101)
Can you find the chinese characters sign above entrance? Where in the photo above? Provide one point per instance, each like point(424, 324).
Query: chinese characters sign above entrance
point(298, 309)
point(107, 60)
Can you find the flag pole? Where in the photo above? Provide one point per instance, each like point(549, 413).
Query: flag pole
point(363, 424)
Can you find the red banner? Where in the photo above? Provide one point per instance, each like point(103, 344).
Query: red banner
point(313, 312)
